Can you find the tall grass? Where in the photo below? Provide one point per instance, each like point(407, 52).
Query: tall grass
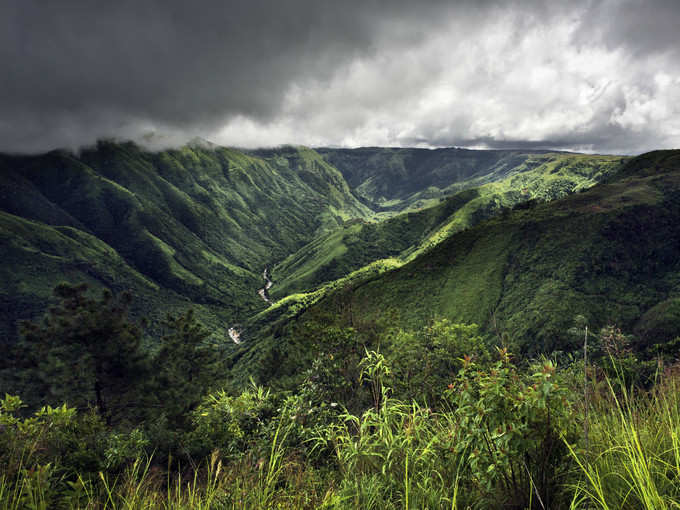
point(30, 489)
point(278, 481)
point(635, 449)
point(396, 455)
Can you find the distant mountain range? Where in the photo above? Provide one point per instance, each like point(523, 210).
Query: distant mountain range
point(610, 253)
point(512, 240)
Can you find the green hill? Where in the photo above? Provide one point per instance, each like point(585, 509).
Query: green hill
point(540, 177)
point(196, 226)
point(193, 226)
point(611, 253)
point(398, 179)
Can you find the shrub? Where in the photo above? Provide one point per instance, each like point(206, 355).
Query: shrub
point(47, 455)
point(509, 427)
point(424, 362)
point(233, 425)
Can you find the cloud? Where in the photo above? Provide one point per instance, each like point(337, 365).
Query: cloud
point(569, 75)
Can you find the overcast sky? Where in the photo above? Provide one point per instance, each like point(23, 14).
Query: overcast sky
point(584, 75)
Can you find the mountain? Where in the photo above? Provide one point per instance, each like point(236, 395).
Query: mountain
point(188, 227)
point(397, 179)
point(196, 226)
point(610, 253)
point(541, 177)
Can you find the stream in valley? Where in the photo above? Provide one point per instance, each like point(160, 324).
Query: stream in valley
point(235, 331)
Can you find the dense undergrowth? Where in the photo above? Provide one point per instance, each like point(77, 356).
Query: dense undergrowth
point(436, 418)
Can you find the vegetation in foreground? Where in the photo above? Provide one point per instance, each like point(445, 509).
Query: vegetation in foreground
point(435, 418)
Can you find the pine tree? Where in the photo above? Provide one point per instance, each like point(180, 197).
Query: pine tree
point(186, 366)
point(87, 352)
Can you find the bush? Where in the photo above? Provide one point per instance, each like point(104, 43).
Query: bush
point(48, 454)
point(509, 427)
point(424, 362)
point(395, 454)
point(233, 425)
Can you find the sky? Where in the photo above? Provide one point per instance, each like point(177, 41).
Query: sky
point(581, 75)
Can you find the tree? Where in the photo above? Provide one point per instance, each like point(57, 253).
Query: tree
point(86, 352)
point(186, 366)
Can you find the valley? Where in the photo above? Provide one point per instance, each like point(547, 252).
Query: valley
point(195, 226)
point(285, 279)
point(343, 255)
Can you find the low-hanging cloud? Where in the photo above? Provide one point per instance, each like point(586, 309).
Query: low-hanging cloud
point(591, 75)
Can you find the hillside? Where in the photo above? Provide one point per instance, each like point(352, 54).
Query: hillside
point(196, 226)
point(611, 253)
point(193, 226)
point(398, 179)
point(539, 177)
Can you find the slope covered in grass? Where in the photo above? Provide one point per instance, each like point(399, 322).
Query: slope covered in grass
point(197, 223)
point(611, 254)
point(540, 177)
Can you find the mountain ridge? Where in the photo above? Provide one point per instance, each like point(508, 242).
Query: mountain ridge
point(196, 221)
point(610, 253)
point(193, 226)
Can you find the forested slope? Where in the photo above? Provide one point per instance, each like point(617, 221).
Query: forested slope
point(537, 177)
point(196, 226)
point(188, 226)
point(611, 254)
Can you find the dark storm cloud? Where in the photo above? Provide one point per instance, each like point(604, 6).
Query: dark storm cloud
point(598, 75)
point(73, 68)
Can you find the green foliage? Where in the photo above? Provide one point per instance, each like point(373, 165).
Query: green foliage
point(231, 424)
point(63, 442)
point(634, 459)
point(86, 352)
point(507, 438)
point(324, 357)
point(424, 362)
point(660, 324)
point(509, 427)
point(394, 453)
point(398, 179)
point(374, 370)
point(343, 425)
